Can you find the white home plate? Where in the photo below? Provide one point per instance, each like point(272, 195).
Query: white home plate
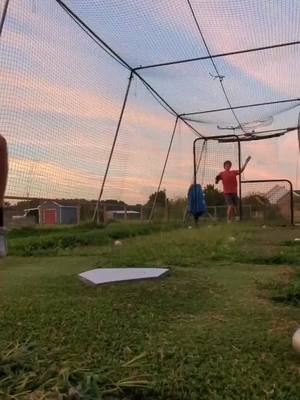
point(101, 276)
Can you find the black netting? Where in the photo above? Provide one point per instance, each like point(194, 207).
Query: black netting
point(268, 201)
point(143, 32)
point(240, 24)
point(268, 118)
point(141, 148)
point(272, 158)
point(188, 87)
point(250, 78)
point(59, 105)
point(210, 157)
point(165, 31)
point(65, 69)
point(179, 172)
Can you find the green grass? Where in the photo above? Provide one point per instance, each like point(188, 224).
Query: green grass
point(50, 241)
point(219, 327)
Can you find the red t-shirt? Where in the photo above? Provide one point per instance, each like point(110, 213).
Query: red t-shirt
point(229, 181)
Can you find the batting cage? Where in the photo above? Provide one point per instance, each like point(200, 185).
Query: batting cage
point(101, 102)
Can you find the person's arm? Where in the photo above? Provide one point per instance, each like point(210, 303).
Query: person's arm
point(218, 178)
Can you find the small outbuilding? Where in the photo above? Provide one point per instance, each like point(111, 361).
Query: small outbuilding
point(52, 212)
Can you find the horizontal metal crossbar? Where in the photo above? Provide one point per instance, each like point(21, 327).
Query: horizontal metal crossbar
point(266, 103)
point(219, 55)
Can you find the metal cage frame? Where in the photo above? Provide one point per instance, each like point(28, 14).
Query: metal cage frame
point(237, 139)
point(186, 118)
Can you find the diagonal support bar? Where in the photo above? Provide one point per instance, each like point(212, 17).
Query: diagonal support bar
point(163, 170)
point(100, 42)
point(113, 147)
point(3, 16)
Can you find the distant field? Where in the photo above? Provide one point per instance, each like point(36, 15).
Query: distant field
point(219, 327)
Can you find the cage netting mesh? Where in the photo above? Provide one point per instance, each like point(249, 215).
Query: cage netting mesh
point(59, 105)
point(269, 202)
point(210, 156)
point(220, 67)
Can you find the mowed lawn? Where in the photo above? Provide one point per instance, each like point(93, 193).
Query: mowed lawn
point(218, 327)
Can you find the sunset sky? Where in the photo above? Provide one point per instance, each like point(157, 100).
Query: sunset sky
point(61, 94)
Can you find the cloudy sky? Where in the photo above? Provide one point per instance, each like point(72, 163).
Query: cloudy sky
point(61, 94)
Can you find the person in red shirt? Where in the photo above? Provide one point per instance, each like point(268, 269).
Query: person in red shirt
point(230, 187)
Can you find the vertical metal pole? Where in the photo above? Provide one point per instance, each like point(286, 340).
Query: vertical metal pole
point(240, 180)
point(113, 147)
point(3, 16)
point(195, 162)
point(292, 202)
point(163, 171)
point(4, 13)
point(196, 167)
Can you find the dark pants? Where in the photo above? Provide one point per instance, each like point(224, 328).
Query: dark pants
point(231, 199)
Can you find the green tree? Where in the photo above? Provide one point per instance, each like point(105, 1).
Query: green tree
point(257, 201)
point(213, 196)
point(177, 207)
point(161, 199)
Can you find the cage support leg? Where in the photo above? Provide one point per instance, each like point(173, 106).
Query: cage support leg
point(163, 171)
point(3, 16)
point(112, 148)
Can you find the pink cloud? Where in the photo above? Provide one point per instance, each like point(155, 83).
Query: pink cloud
point(234, 28)
point(139, 154)
point(54, 178)
point(41, 95)
point(47, 179)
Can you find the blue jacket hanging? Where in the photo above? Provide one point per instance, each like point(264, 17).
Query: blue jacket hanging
point(196, 201)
